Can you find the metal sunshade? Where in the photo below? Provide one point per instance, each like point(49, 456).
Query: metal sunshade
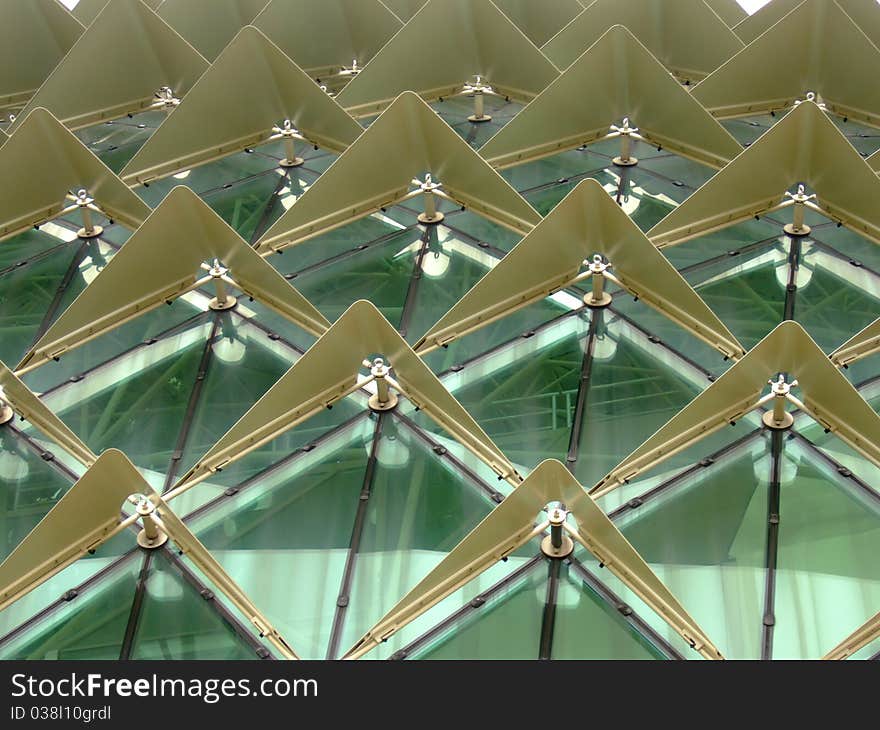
point(269, 89)
point(616, 78)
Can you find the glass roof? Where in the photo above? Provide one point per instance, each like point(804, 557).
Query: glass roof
point(632, 307)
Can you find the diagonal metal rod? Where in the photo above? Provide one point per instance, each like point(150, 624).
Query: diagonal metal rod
point(412, 291)
point(768, 620)
point(72, 269)
point(357, 532)
point(577, 424)
point(548, 619)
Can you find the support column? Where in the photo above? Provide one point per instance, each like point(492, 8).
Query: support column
point(86, 205)
point(151, 536)
point(598, 298)
point(431, 215)
point(557, 544)
point(626, 133)
point(385, 399)
point(477, 89)
point(779, 419)
point(797, 227)
point(223, 300)
point(289, 134)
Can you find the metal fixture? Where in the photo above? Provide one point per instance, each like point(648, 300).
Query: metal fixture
point(289, 134)
point(223, 300)
point(557, 544)
point(779, 419)
point(431, 214)
point(799, 200)
point(478, 89)
point(384, 399)
point(626, 134)
point(152, 535)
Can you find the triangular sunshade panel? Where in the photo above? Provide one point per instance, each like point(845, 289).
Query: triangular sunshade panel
point(87, 10)
point(28, 406)
point(89, 514)
point(209, 25)
point(860, 345)
point(56, 163)
point(616, 77)
point(542, 20)
point(325, 36)
point(810, 39)
point(804, 147)
point(329, 370)
point(512, 524)
point(477, 39)
point(585, 223)
point(686, 36)
point(823, 392)
point(34, 36)
point(864, 14)
point(268, 89)
point(407, 140)
point(117, 66)
point(162, 260)
point(730, 11)
point(404, 9)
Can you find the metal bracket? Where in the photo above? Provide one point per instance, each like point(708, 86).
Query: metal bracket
point(351, 71)
point(289, 134)
point(384, 399)
point(83, 202)
point(813, 97)
point(626, 134)
point(223, 300)
point(779, 419)
point(477, 89)
point(799, 199)
point(557, 544)
point(165, 100)
point(598, 298)
point(151, 536)
point(431, 216)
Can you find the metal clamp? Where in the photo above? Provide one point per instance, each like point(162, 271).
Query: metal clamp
point(223, 300)
point(431, 215)
point(779, 419)
point(626, 134)
point(813, 97)
point(477, 89)
point(165, 99)
point(384, 399)
point(352, 70)
point(152, 535)
point(799, 199)
point(289, 134)
point(557, 544)
point(86, 206)
point(598, 298)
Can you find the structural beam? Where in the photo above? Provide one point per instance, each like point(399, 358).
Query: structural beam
point(616, 78)
point(385, 166)
point(687, 36)
point(183, 245)
point(562, 251)
point(477, 40)
point(805, 147)
point(858, 639)
point(329, 371)
point(251, 89)
point(859, 346)
point(42, 168)
point(788, 351)
point(511, 525)
point(119, 65)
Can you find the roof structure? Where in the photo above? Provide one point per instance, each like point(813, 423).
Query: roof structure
point(140, 54)
point(803, 148)
point(810, 38)
point(862, 12)
point(686, 36)
point(616, 78)
point(181, 246)
point(59, 166)
point(379, 168)
point(42, 32)
point(269, 89)
point(436, 65)
point(209, 25)
point(557, 253)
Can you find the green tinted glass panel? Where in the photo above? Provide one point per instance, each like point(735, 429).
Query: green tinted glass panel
point(177, 622)
point(587, 627)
